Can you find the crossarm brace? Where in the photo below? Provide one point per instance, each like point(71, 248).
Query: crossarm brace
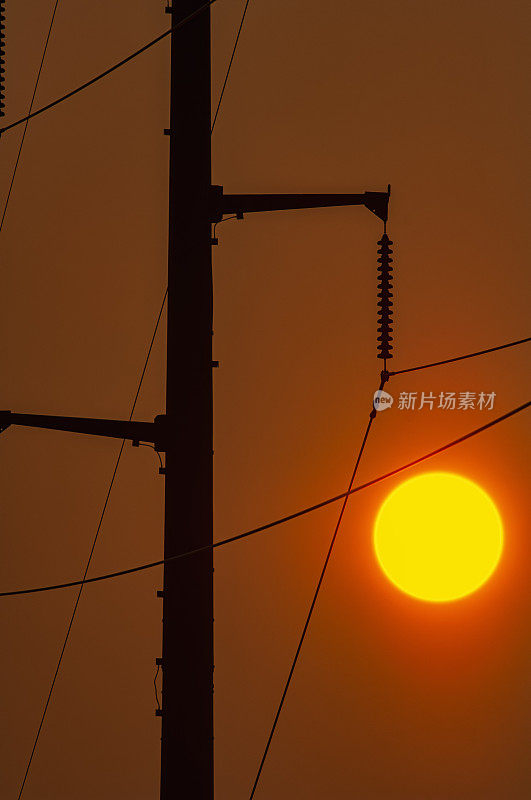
point(240, 204)
point(153, 432)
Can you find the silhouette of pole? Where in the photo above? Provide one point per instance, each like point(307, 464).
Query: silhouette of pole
point(187, 640)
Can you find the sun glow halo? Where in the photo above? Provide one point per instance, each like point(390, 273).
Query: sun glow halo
point(438, 536)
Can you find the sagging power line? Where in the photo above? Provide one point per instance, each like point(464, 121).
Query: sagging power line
point(269, 525)
point(108, 71)
point(462, 358)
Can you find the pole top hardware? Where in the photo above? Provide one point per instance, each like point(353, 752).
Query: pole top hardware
point(378, 203)
point(240, 204)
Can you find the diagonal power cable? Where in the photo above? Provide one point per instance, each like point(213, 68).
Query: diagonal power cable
point(314, 600)
point(21, 145)
point(230, 64)
point(108, 71)
point(91, 553)
point(461, 358)
point(262, 528)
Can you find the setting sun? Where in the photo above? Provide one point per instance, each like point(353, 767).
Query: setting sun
point(438, 536)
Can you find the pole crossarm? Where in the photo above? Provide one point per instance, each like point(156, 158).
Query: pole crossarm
point(240, 204)
point(153, 432)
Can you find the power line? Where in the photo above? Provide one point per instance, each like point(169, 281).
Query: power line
point(21, 145)
point(230, 64)
point(314, 601)
point(91, 553)
point(460, 358)
point(275, 523)
point(108, 71)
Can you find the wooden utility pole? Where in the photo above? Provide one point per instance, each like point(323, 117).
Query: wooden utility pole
point(187, 768)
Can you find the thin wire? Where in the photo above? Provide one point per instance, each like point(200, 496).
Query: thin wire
point(221, 221)
point(152, 446)
point(313, 603)
point(111, 69)
point(6, 204)
point(155, 686)
point(460, 358)
point(230, 65)
point(83, 581)
point(275, 523)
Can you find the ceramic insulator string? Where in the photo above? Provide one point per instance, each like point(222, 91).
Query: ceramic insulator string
point(385, 304)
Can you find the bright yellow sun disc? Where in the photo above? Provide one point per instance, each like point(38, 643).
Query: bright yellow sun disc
point(438, 536)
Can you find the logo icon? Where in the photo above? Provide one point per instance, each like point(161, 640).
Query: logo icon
point(382, 400)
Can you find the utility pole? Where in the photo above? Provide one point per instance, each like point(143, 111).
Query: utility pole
point(187, 758)
point(185, 432)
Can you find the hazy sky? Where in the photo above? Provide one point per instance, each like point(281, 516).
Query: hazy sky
point(393, 699)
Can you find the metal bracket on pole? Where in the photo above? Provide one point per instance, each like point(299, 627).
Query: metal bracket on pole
point(152, 432)
point(240, 204)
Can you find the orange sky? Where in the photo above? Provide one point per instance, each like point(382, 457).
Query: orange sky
point(392, 699)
